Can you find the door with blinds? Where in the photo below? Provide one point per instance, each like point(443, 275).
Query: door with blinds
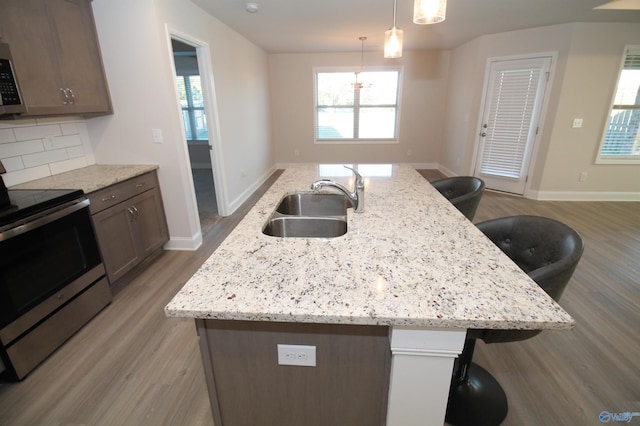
point(514, 93)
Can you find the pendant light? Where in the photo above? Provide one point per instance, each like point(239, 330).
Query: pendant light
point(393, 38)
point(429, 11)
point(358, 84)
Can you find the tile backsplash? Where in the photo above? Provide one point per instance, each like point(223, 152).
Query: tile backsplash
point(36, 148)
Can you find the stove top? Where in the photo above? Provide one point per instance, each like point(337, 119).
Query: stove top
point(26, 202)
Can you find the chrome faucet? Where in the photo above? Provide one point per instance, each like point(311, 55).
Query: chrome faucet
point(356, 197)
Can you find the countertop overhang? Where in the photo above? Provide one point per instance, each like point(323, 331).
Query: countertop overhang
point(411, 259)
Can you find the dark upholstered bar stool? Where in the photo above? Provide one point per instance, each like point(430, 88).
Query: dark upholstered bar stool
point(548, 251)
point(464, 192)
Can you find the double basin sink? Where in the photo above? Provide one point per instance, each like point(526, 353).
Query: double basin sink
point(309, 215)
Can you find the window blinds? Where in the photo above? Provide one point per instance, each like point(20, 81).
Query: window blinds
point(622, 137)
point(509, 121)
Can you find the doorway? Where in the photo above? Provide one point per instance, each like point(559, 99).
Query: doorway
point(192, 105)
point(513, 102)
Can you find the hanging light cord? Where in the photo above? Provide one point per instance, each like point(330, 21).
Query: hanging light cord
point(394, 12)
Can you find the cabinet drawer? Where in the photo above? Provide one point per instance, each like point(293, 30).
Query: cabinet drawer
point(119, 192)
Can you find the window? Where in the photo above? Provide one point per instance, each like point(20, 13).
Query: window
point(346, 111)
point(192, 103)
point(621, 140)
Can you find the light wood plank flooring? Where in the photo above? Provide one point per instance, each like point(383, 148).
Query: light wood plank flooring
point(133, 366)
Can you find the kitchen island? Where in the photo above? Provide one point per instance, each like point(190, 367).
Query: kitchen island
point(405, 282)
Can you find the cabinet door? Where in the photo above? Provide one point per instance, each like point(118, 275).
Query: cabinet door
point(150, 223)
point(56, 56)
point(79, 55)
point(116, 237)
point(24, 25)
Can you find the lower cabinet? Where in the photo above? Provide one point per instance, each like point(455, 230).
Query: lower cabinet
point(129, 222)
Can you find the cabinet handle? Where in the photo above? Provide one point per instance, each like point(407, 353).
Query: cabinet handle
point(139, 185)
point(135, 210)
point(109, 198)
point(65, 100)
point(73, 97)
point(131, 217)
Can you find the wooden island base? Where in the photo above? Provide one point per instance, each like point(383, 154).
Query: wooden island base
point(247, 386)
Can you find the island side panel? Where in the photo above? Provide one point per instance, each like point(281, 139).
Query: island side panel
point(348, 385)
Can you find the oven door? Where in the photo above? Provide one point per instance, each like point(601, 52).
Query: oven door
point(41, 257)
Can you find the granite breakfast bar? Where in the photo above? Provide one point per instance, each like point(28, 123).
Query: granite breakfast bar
point(411, 272)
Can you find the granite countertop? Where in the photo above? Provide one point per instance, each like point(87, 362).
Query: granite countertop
point(90, 178)
point(411, 259)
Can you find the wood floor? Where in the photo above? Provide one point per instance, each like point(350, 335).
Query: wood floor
point(133, 366)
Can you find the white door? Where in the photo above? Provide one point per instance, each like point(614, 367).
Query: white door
point(514, 93)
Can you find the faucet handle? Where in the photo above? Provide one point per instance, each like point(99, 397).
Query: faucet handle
point(359, 181)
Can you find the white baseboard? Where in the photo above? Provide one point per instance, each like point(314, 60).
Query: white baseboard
point(582, 196)
point(186, 244)
point(244, 196)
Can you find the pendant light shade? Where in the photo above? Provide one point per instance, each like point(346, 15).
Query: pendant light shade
point(393, 39)
point(393, 43)
point(429, 11)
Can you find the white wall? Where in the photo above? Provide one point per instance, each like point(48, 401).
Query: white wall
point(425, 75)
point(137, 59)
point(585, 74)
point(591, 72)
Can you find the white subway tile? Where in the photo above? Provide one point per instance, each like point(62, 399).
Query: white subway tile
point(21, 122)
point(6, 135)
point(25, 175)
point(12, 164)
point(41, 158)
point(21, 148)
point(75, 152)
point(37, 132)
point(66, 141)
point(67, 165)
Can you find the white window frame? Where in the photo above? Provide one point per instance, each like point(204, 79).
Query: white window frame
point(358, 141)
point(608, 159)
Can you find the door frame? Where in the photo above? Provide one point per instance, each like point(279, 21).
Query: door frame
point(203, 54)
point(528, 193)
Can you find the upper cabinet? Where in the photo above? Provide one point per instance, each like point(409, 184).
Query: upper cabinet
point(56, 56)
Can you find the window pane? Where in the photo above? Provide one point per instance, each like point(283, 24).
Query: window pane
point(622, 137)
point(335, 123)
point(628, 90)
point(377, 123)
point(196, 91)
point(182, 91)
point(383, 90)
point(200, 123)
point(335, 89)
point(187, 125)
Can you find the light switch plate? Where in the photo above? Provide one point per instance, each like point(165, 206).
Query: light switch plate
point(157, 135)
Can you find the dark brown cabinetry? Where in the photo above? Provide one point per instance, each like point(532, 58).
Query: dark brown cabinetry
point(130, 224)
point(56, 56)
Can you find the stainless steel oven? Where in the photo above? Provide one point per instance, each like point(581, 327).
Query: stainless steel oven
point(52, 280)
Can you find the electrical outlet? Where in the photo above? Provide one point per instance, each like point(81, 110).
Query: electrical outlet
point(583, 177)
point(577, 122)
point(297, 355)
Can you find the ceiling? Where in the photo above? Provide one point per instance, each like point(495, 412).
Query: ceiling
point(305, 26)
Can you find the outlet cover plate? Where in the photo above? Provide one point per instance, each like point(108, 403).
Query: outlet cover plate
point(297, 355)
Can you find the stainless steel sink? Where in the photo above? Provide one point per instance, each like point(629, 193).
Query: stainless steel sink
point(313, 204)
point(309, 215)
point(307, 227)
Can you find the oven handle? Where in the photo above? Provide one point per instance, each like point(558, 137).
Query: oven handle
point(42, 220)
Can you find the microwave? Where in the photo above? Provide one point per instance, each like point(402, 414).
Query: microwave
point(11, 101)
